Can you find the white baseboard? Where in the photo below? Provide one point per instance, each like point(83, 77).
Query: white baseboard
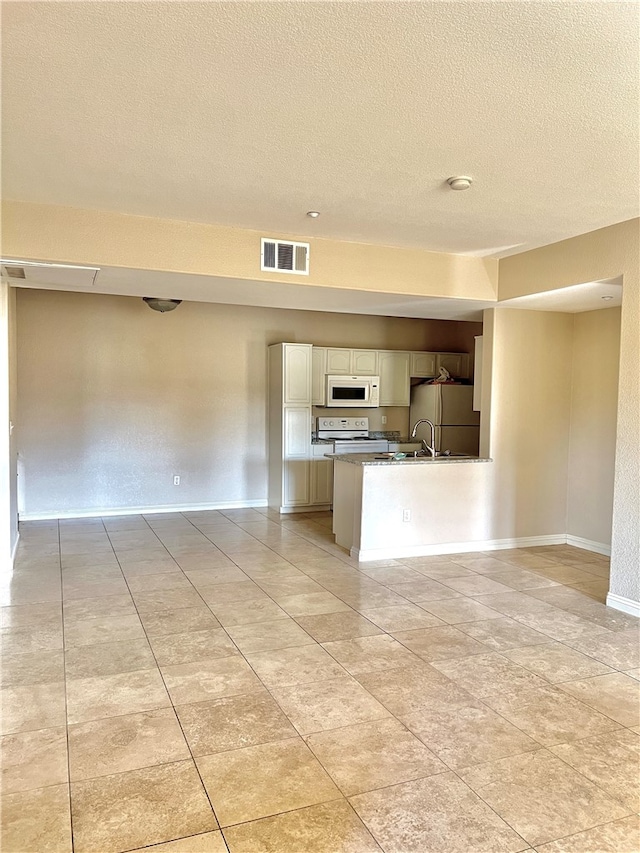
point(589, 545)
point(287, 510)
point(626, 605)
point(455, 548)
point(14, 551)
point(138, 510)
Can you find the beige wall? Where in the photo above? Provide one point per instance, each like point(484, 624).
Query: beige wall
point(607, 253)
point(64, 234)
point(13, 418)
point(8, 451)
point(530, 404)
point(115, 398)
point(155, 386)
point(551, 432)
point(594, 400)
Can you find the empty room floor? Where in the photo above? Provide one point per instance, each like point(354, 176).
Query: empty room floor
point(232, 680)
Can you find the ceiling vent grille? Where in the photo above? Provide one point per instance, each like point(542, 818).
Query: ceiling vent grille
point(14, 272)
point(284, 256)
point(43, 274)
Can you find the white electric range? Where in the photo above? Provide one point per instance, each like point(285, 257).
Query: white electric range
point(350, 435)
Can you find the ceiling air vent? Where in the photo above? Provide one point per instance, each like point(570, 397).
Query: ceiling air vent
point(14, 272)
point(43, 274)
point(284, 256)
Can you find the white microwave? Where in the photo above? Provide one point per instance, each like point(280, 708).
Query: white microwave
point(353, 392)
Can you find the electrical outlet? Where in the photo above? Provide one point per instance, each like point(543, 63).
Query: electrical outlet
point(406, 515)
point(384, 420)
point(176, 480)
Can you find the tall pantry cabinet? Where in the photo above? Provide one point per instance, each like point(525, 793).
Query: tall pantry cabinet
point(290, 424)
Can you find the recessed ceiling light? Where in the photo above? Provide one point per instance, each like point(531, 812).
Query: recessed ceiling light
point(313, 214)
point(460, 182)
point(606, 298)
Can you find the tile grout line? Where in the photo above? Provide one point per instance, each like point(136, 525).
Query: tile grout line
point(488, 649)
point(197, 769)
point(589, 829)
point(66, 709)
point(406, 729)
point(298, 734)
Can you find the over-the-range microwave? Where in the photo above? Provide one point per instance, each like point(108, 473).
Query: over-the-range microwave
point(353, 392)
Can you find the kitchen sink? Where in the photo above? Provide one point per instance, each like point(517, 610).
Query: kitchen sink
point(428, 458)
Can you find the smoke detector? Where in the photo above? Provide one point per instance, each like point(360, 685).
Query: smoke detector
point(161, 305)
point(460, 182)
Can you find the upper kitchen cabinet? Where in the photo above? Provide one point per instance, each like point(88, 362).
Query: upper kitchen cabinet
point(296, 365)
point(423, 364)
point(364, 362)
point(457, 363)
point(394, 370)
point(353, 362)
point(318, 372)
point(338, 361)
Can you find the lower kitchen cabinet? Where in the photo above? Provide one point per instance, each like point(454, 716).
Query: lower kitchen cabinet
point(321, 475)
point(296, 474)
point(308, 481)
point(296, 482)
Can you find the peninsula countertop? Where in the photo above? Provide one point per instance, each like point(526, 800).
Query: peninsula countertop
point(379, 459)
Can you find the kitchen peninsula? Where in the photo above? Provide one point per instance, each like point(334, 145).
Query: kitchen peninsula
point(301, 375)
point(388, 508)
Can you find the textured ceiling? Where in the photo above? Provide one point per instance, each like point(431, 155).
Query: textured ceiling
point(250, 114)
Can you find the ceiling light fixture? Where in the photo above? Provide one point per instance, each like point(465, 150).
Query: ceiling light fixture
point(607, 298)
point(161, 305)
point(313, 214)
point(460, 182)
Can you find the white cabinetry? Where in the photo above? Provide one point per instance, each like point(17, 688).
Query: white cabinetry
point(338, 361)
point(318, 372)
point(352, 362)
point(321, 474)
point(394, 378)
point(297, 373)
point(289, 426)
point(457, 363)
point(423, 364)
point(297, 431)
point(477, 375)
point(394, 369)
point(364, 362)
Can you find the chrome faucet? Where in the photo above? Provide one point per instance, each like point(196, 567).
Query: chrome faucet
point(431, 449)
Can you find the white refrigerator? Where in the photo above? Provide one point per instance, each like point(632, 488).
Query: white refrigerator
point(450, 408)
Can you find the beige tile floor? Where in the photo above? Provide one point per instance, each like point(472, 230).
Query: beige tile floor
point(232, 681)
